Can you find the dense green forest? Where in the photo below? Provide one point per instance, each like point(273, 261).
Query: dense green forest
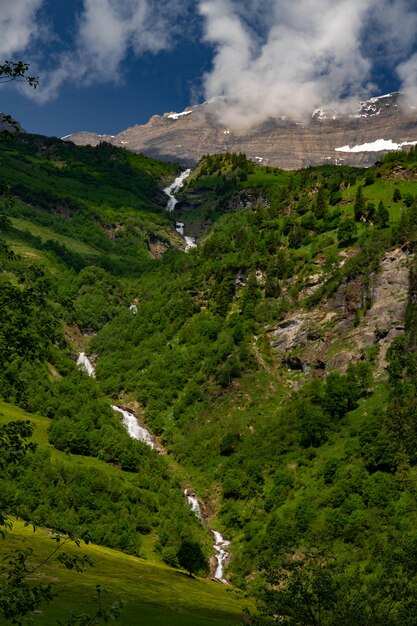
point(45, 298)
point(275, 364)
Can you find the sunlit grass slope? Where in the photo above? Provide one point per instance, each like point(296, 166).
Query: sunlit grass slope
point(154, 593)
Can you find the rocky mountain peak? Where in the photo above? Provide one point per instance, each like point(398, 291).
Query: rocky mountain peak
point(357, 138)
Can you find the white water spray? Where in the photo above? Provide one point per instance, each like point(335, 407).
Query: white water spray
point(221, 555)
point(85, 364)
point(174, 188)
point(135, 431)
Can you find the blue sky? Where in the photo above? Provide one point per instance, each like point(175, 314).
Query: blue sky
point(152, 85)
point(105, 65)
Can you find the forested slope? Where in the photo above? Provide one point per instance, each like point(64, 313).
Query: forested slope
point(265, 360)
point(55, 290)
point(276, 364)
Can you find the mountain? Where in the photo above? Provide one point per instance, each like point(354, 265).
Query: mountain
point(378, 125)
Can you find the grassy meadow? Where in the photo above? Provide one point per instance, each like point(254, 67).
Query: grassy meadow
point(153, 593)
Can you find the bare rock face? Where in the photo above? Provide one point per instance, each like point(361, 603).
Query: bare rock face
point(85, 138)
point(6, 126)
point(327, 337)
point(328, 137)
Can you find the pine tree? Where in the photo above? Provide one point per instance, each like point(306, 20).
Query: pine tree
point(360, 205)
point(397, 196)
point(346, 232)
point(321, 203)
point(382, 216)
point(191, 557)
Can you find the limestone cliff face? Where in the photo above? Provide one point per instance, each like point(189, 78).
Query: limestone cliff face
point(328, 337)
point(187, 136)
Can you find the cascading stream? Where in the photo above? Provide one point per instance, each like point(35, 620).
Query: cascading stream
point(140, 433)
point(172, 202)
point(135, 431)
point(221, 555)
point(221, 544)
point(174, 188)
point(85, 364)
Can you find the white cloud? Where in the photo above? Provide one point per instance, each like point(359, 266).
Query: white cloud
point(287, 57)
point(108, 28)
point(407, 71)
point(106, 31)
point(271, 57)
point(18, 26)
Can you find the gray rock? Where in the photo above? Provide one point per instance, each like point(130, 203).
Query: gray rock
point(280, 142)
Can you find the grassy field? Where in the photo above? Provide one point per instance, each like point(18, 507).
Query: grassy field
point(381, 189)
point(45, 233)
point(154, 593)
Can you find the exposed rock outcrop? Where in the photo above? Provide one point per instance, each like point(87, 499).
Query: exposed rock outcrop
point(5, 125)
point(282, 142)
point(331, 335)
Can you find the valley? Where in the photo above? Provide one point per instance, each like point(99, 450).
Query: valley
point(256, 390)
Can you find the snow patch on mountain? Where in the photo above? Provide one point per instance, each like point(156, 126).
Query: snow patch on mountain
point(367, 108)
point(377, 146)
point(176, 116)
point(374, 106)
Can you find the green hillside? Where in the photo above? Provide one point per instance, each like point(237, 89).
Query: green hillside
point(85, 205)
point(275, 363)
point(152, 592)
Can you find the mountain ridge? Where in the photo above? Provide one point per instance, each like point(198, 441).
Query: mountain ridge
point(330, 137)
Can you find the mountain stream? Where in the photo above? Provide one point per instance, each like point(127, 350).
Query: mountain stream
point(141, 433)
point(131, 424)
point(222, 555)
point(172, 202)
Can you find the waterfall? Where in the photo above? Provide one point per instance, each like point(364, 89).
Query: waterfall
point(85, 364)
point(132, 426)
point(193, 504)
point(221, 555)
point(140, 433)
point(172, 202)
point(174, 188)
